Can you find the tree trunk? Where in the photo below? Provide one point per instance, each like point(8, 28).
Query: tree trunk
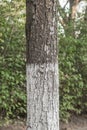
point(70, 27)
point(42, 65)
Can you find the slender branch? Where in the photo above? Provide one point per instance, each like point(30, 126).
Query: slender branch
point(65, 4)
point(62, 12)
point(62, 22)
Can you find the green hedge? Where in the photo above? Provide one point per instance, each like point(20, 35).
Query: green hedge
point(12, 61)
point(73, 74)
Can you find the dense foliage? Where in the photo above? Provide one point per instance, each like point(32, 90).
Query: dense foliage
point(12, 60)
point(73, 72)
point(72, 64)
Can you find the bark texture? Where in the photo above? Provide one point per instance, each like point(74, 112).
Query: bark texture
point(42, 97)
point(42, 65)
point(41, 29)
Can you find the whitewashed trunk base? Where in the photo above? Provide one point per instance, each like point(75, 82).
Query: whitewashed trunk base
point(42, 97)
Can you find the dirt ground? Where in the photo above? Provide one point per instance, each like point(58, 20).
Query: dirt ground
point(14, 125)
point(75, 123)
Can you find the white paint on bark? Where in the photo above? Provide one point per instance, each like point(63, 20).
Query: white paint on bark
point(51, 30)
point(42, 96)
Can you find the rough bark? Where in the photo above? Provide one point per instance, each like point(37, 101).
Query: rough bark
point(42, 65)
point(42, 88)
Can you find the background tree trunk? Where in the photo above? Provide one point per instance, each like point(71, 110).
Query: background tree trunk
point(42, 65)
point(73, 8)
